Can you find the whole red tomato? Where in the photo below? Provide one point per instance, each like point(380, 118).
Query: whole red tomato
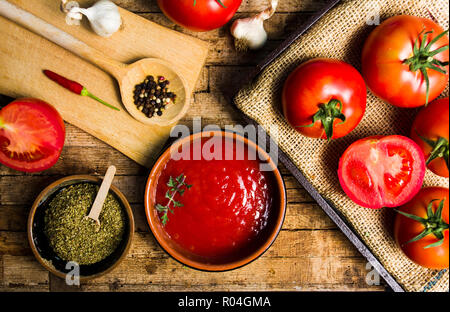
point(32, 135)
point(324, 98)
point(200, 15)
point(430, 132)
point(421, 228)
point(405, 61)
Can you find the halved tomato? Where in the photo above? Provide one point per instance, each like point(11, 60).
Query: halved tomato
point(379, 171)
point(32, 135)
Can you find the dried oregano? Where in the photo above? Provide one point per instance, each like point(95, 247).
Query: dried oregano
point(75, 238)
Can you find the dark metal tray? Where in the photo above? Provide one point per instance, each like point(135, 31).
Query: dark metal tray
point(329, 209)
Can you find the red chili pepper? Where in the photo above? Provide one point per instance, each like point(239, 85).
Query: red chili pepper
point(74, 86)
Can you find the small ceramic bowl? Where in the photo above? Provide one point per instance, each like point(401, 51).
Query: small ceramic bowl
point(44, 253)
point(229, 262)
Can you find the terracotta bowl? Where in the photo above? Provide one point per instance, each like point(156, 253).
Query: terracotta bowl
point(228, 262)
point(44, 253)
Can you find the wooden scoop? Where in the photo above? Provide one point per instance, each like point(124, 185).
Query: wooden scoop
point(128, 76)
point(101, 195)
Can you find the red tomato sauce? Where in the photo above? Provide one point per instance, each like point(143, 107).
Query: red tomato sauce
point(228, 208)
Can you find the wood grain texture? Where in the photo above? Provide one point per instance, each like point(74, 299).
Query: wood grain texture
point(309, 254)
point(23, 56)
point(299, 260)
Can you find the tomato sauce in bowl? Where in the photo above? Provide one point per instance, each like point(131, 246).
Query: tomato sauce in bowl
point(231, 213)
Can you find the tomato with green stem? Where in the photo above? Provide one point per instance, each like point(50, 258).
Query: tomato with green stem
point(200, 15)
point(421, 228)
point(324, 98)
point(32, 135)
point(405, 61)
point(430, 131)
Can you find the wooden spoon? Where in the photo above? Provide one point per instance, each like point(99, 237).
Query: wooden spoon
point(101, 195)
point(128, 76)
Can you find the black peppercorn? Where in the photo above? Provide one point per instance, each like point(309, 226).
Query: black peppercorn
point(152, 95)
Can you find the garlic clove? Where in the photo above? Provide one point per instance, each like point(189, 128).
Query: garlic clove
point(72, 16)
point(104, 18)
point(249, 33)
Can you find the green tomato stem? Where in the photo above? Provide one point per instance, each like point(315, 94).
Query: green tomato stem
point(326, 114)
point(433, 224)
point(440, 149)
point(220, 2)
point(423, 59)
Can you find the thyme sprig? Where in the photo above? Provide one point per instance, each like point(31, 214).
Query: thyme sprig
point(176, 185)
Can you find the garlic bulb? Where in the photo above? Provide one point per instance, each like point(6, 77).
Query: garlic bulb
point(249, 33)
point(103, 16)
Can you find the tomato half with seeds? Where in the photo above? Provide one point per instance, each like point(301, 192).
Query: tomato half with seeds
point(324, 98)
point(32, 135)
point(430, 131)
point(421, 228)
point(405, 60)
point(382, 171)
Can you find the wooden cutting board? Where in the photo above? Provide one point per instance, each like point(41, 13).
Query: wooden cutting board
point(23, 56)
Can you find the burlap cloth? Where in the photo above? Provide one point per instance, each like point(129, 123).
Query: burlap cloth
point(340, 34)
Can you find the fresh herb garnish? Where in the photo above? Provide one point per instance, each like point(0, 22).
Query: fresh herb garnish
point(218, 1)
point(176, 185)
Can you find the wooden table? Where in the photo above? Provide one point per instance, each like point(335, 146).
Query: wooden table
point(310, 253)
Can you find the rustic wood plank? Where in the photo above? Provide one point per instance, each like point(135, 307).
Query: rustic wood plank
point(213, 108)
point(310, 216)
point(306, 274)
point(147, 268)
point(298, 259)
point(2, 277)
point(203, 80)
point(58, 284)
point(14, 217)
point(222, 52)
point(14, 244)
point(23, 273)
